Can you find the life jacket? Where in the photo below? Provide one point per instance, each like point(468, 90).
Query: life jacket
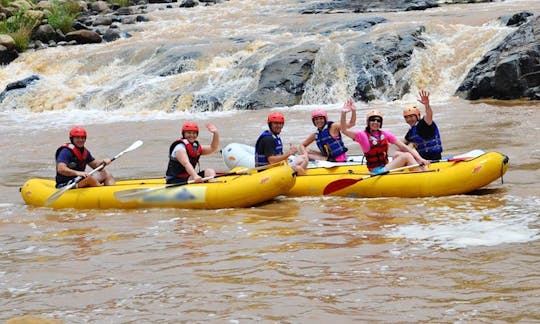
point(77, 161)
point(261, 159)
point(425, 145)
point(329, 145)
point(378, 152)
point(175, 169)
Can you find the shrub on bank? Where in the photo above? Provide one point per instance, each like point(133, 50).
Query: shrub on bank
point(62, 15)
point(18, 20)
point(19, 27)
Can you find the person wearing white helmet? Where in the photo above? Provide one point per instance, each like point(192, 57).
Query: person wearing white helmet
point(424, 134)
point(328, 136)
point(72, 159)
point(375, 143)
point(184, 154)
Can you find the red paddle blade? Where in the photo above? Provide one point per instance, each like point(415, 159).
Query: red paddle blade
point(338, 185)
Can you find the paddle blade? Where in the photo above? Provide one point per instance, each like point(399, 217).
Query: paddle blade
point(60, 192)
point(134, 146)
point(338, 185)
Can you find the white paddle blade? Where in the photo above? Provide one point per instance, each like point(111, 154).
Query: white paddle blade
point(62, 190)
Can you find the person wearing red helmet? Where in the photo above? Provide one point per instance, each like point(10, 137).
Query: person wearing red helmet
point(184, 154)
point(269, 147)
point(72, 159)
point(328, 136)
point(375, 143)
point(424, 134)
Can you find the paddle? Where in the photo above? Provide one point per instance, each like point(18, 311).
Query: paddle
point(137, 193)
point(78, 179)
point(343, 183)
point(358, 160)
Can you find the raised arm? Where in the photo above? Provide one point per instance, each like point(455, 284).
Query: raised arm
point(424, 100)
point(349, 105)
point(214, 145)
point(343, 124)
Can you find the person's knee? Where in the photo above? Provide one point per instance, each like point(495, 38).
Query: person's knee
point(88, 182)
point(104, 177)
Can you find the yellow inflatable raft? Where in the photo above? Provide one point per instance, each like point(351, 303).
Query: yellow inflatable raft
point(458, 175)
point(241, 188)
point(452, 177)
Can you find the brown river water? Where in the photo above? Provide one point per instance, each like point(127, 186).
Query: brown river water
point(460, 259)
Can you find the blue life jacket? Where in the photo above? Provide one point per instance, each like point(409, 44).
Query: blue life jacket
point(425, 145)
point(260, 158)
point(328, 145)
point(77, 161)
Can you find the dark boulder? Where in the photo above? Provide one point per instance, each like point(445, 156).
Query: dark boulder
point(7, 55)
point(283, 78)
point(510, 71)
point(18, 85)
point(84, 36)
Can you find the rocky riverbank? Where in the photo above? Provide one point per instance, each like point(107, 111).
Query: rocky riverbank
point(97, 21)
point(509, 71)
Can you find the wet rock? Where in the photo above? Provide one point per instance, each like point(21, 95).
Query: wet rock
point(18, 85)
point(516, 20)
point(283, 78)
point(7, 55)
point(378, 65)
point(21, 83)
point(103, 21)
point(83, 37)
point(99, 6)
point(354, 6)
point(206, 103)
point(188, 4)
point(111, 35)
point(46, 33)
point(509, 71)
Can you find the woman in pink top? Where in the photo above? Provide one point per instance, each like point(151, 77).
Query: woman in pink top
point(375, 143)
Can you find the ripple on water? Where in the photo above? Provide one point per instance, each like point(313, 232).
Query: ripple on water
point(515, 220)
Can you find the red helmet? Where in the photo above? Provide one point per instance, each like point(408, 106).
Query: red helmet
point(77, 131)
point(319, 113)
point(276, 117)
point(190, 126)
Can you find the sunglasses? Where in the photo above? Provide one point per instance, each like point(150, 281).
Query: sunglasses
point(375, 119)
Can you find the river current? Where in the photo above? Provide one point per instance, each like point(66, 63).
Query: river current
point(460, 259)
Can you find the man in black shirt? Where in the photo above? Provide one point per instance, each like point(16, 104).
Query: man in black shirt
point(424, 133)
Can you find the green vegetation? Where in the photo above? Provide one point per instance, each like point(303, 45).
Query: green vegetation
point(121, 3)
point(19, 27)
point(62, 15)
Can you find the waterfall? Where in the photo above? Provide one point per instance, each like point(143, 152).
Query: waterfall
point(209, 59)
